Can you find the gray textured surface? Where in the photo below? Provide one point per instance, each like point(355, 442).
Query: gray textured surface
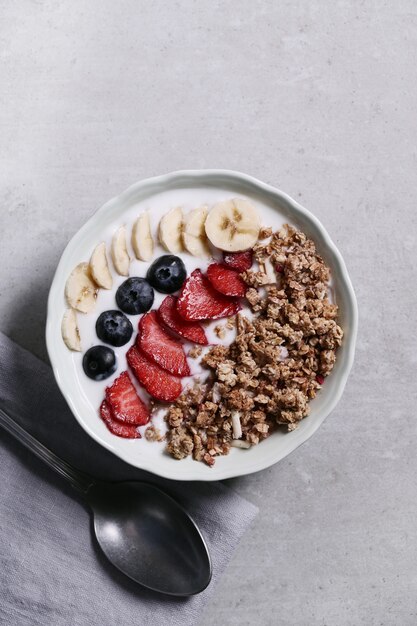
point(317, 98)
point(51, 571)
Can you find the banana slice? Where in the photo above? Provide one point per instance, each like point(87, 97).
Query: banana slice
point(70, 332)
point(170, 230)
point(119, 252)
point(233, 225)
point(194, 235)
point(142, 242)
point(99, 267)
point(80, 290)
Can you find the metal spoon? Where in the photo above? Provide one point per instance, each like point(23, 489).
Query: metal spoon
point(144, 532)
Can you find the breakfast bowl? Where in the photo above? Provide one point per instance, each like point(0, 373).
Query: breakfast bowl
point(156, 196)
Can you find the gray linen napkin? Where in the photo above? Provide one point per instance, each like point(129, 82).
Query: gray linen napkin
point(51, 572)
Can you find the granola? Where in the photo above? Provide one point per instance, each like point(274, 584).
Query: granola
point(195, 352)
point(265, 378)
point(220, 331)
point(265, 232)
point(230, 324)
point(153, 434)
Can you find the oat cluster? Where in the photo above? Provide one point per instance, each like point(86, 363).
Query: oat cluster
point(153, 434)
point(265, 378)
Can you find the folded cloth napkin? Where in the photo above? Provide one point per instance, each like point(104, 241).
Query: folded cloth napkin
point(51, 572)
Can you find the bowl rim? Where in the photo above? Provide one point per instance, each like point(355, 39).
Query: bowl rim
point(201, 176)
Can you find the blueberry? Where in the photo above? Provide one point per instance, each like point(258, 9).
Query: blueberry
point(135, 296)
point(167, 273)
point(114, 328)
point(99, 362)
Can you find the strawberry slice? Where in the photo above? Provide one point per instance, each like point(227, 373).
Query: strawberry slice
point(125, 403)
point(158, 383)
point(128, 431)
point(198, 300)
point(160, 347)
point(225, 280)
point(168, 315)
point(239, 261)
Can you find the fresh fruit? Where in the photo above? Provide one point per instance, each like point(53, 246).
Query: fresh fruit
point(125, 403)
point(128, 431)
point(194, 235)
point(160, 347)
point(69, 330)
point(239, 261)
point(99, 267)
point(114, 327)
point(159, 383)
point(233, 225)
point(142, 242)
point(168, 315)
point(99, 362)
point(119, 252)
point(134, 296)
point(80, 289)
point(226, 280)
point(167, 273)
point(198, 300)
point(170, 230)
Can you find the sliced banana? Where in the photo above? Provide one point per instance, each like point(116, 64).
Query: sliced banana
point(119, 252)
point(80, 289)
point(194, 234)
point(142, 242)
point(170, 230)
point(99, 267)
point(233, 225)
point(69, 330)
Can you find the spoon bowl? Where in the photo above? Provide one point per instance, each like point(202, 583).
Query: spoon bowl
point(149, 537)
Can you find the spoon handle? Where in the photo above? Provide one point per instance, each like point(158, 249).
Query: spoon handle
point(80, 481)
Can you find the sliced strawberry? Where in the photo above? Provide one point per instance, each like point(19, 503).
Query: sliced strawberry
point(225, 280)
point(159, 383)
point(128, 431)
point(198, 300)
point(239, 261)
point(125, 403)
point(160, 347)
point(168, 315)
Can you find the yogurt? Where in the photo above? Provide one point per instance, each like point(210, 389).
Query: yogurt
point(158, 205)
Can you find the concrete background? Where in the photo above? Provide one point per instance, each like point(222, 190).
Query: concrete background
point(317, 98)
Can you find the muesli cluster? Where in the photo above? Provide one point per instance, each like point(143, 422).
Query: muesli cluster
point(281, 355)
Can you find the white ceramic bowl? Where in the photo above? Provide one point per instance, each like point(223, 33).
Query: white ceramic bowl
point(151, 457)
